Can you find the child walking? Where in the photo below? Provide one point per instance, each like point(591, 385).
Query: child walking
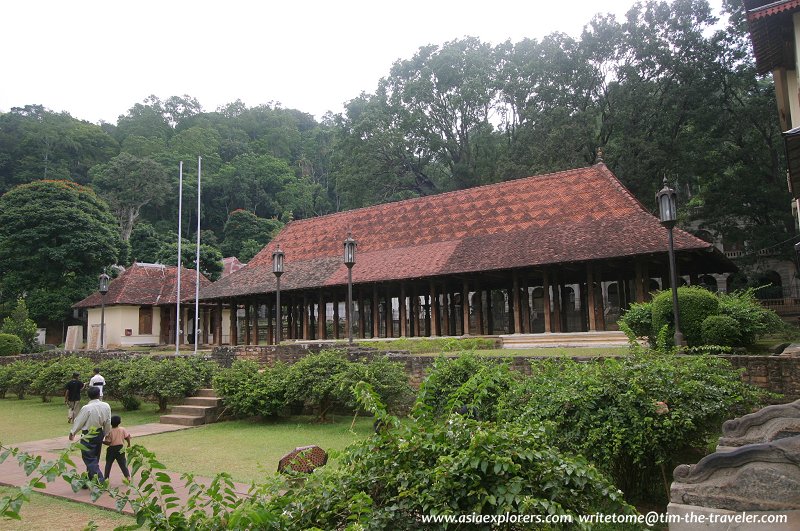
point(114, 440)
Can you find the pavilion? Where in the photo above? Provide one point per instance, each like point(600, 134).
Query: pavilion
point(561, 252)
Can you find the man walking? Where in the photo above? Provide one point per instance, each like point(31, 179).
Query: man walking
point(94, 416)
point(72, 396)
point(98, 381)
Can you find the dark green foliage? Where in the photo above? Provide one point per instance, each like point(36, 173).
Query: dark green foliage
point(168, 379)
point(694, 303)
point(244, 227)
point(248, 392)
point(721, 330)
point(753, 320)
point(20, 375)
point(21, 326)
point(607, 410)
point(53, 375)
point(10, 345)
point(467, 384)
point(324, 381)
point(639, 318)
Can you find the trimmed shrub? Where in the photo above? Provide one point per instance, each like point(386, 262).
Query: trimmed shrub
point(54, 375)
point(610, 410)
point(21, 376)
point(248, 392)
point(694, 303)
point(639, 318)
point(10, 345)
point(721, 330)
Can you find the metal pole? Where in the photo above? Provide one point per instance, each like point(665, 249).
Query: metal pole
point(102, 321)
point(278, 325)
point(178, 299)
point(197, 265)
point(673, 270)
point(349, 314)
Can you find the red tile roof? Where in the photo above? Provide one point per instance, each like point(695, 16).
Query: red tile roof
point(230, 264)
point(570, 216)
point(147, 284)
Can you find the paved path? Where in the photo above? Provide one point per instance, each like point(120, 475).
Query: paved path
point(11, 474)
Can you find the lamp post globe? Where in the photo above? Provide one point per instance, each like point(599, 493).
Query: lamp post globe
point(277, 270)
point(349, 260)
point(668, 215)
point(103, 289)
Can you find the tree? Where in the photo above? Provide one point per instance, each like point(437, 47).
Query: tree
point(128, 183)
point(55, 237)
point(21, 326)
point(244, 226)
point(210, 257)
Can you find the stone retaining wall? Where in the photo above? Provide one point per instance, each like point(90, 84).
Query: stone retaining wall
point(779, 374)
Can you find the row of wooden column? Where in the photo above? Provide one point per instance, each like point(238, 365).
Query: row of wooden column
point(429, 310)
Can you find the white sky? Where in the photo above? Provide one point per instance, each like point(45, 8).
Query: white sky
point(96, 59)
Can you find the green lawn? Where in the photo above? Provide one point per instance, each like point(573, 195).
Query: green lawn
point(31, 419)
point(247, 449)
point(45, 513)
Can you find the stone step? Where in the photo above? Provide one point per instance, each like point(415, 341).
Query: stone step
point(182, 420)
point(207, 393)
point(578, 339)
point(192, 411)
point(202, 401)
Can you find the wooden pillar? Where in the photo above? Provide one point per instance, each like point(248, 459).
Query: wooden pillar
point(256, 332)
point(446, 311)
point(434, 311)
point(465, 309)
point(306, 317)
point(402, 306)
point(387, 313)
point(489, 313)
point(362, 316)
point(590, 300)
point(515, 301)
point(512, 310)
point(453, 313)
point(556, 305)
point(218, 327)
point(322, 317)
point(427, 310)
point(270, 326)
point(336, 316)
point(247, 323)
point(376, 320)
point(234, 339)
point(477, 300)
point(548, 324)
point(526, 308)
point(414, 331)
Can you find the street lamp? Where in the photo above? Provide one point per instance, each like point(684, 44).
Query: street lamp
point(349, 261)
point(277, 268)
point(103, 290)
point(667, 210)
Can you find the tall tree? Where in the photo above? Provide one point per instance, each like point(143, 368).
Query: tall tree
point(129, 183)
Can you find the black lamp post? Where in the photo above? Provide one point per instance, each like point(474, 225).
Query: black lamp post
point(277, 268)
point(668, 213)
point(349, 261)
point(103, 290)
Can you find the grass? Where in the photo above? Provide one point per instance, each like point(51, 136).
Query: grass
point(249, 450)
point(31, 419)
point(45, 513)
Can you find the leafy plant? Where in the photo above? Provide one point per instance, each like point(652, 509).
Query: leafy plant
point(695, 304)
point(10, 345)
point(21, 326)
point(721, 330)
point(53, 375)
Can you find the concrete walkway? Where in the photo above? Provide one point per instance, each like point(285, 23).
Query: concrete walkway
point(12, 474)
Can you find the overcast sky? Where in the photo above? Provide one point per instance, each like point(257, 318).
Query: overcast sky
point(95, 59)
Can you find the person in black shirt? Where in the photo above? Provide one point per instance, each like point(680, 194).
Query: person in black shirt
point(72, 396)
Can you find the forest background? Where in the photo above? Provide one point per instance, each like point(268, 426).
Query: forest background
point(666, 92)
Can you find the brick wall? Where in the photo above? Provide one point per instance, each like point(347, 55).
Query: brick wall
point(779, 374)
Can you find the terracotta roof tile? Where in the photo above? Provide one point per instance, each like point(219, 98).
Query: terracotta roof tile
point(147, 284)
point(569, 216)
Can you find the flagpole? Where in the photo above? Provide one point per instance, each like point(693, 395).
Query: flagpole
point(197, 264)
point(178, 299)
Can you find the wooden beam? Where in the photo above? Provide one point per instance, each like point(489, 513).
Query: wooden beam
point(376, 320)
point(465, 308)
point(218, 327)
point(515, 300)
point(255, 323)
point(234, 332)
point(322, 317)
point(335, 316)
point(434, 311)
point(548, 324)
point(590, 292)
point(402, 305)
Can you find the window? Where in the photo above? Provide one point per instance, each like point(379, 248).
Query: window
point(145, 320)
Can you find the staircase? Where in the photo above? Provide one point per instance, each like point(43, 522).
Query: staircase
point(203, 408)
point(574, 339)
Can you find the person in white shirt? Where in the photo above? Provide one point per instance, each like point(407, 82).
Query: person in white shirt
point(96, 416)
point(97, 381)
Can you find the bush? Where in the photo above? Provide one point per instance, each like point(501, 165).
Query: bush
point(10, 345)
point(752, 319)
point(694, 303)
point(248, 392)
point(387, 378)
point(434, 466)
point(21, 375)
point(608, 410)
point(466, 384)
point(21, 326)
point(54, 375)
point(639, 318)
point(165, 380)
point(721, 330)
point(5, 380)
